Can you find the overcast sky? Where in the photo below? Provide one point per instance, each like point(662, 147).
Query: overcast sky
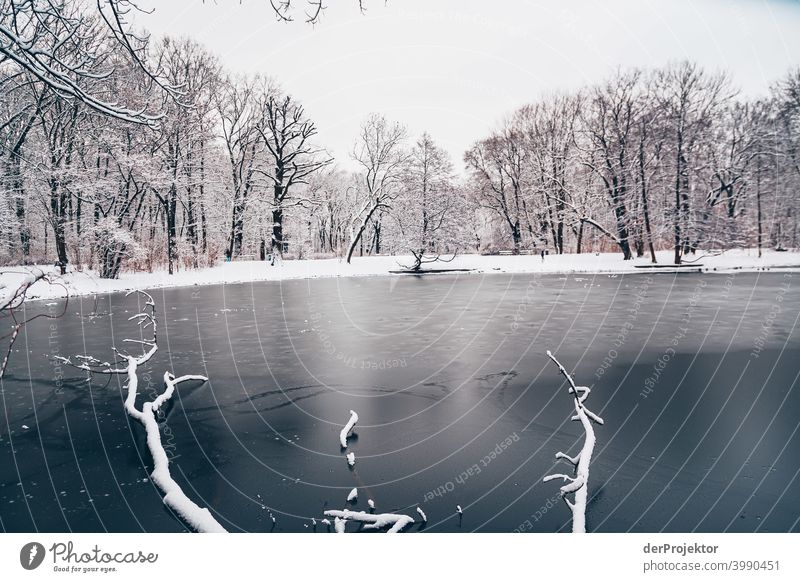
point(456, 67)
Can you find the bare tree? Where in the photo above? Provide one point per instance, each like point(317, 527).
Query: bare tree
point(740, 142)
point(608, 126)
point(287, 134)
point(379, 151)
point(549, 129)
point(428, 204)
point(238, 113)
point(649, 141)
point(187, 64)
point(786, 101)
point(690, 99)
point(59, 124)
point(498, 166)
point(332, 192)
point(19, 113)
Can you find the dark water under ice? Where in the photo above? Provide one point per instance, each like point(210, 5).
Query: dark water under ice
point(694, 374)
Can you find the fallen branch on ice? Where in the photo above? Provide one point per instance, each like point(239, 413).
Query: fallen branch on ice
point(579, 483)
point(347, 429)
point(196, 517)
point(394, 521)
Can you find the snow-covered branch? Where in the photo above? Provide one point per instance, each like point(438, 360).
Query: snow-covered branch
point(579, 483)
point(348, 428)
point(196, 517)
point(145, 319)
point(50, 41)
point(394, 521)
point(12, 296)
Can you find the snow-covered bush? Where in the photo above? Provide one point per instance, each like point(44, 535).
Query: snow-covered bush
point(115, 245)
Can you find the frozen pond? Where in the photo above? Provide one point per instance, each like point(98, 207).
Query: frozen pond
point(694, 374)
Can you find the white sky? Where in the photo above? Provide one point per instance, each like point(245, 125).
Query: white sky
point(456, 67)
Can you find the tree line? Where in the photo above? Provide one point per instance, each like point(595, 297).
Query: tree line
point(160, 158)
point(668, 158)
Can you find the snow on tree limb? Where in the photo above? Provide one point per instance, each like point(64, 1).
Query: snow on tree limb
point(196, 517)
point(394, 521)
point(347, 429)
point(578, 484)
point(13, 296)
point(48, 40)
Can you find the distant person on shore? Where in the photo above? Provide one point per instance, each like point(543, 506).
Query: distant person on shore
point(542, 253)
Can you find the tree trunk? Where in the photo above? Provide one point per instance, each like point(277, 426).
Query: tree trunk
point(560, 223)
point(203, 224)
point(377, 237)
point(622, 228)
point(358, 236)
point(171, 209)
point(78, 212)
point(677, 217)
point(191, 213)
point(58, 203)
point(277, 231)
point(17, 191)
point(645, 203)
point(236, 235)
point(758, 204)
point(647, 228)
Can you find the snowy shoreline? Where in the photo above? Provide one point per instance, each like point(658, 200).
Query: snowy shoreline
point(80, 283)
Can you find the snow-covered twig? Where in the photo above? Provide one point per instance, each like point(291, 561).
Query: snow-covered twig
point(394, 521)
point(13, 297)
point(578, 484)
point(145, 320)
point(347, 428)
point(353, 495)
point(339, 524)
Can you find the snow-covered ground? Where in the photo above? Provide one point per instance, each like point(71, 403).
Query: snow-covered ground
point(87, 282)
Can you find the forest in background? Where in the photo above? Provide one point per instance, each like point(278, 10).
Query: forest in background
point(116, 158)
